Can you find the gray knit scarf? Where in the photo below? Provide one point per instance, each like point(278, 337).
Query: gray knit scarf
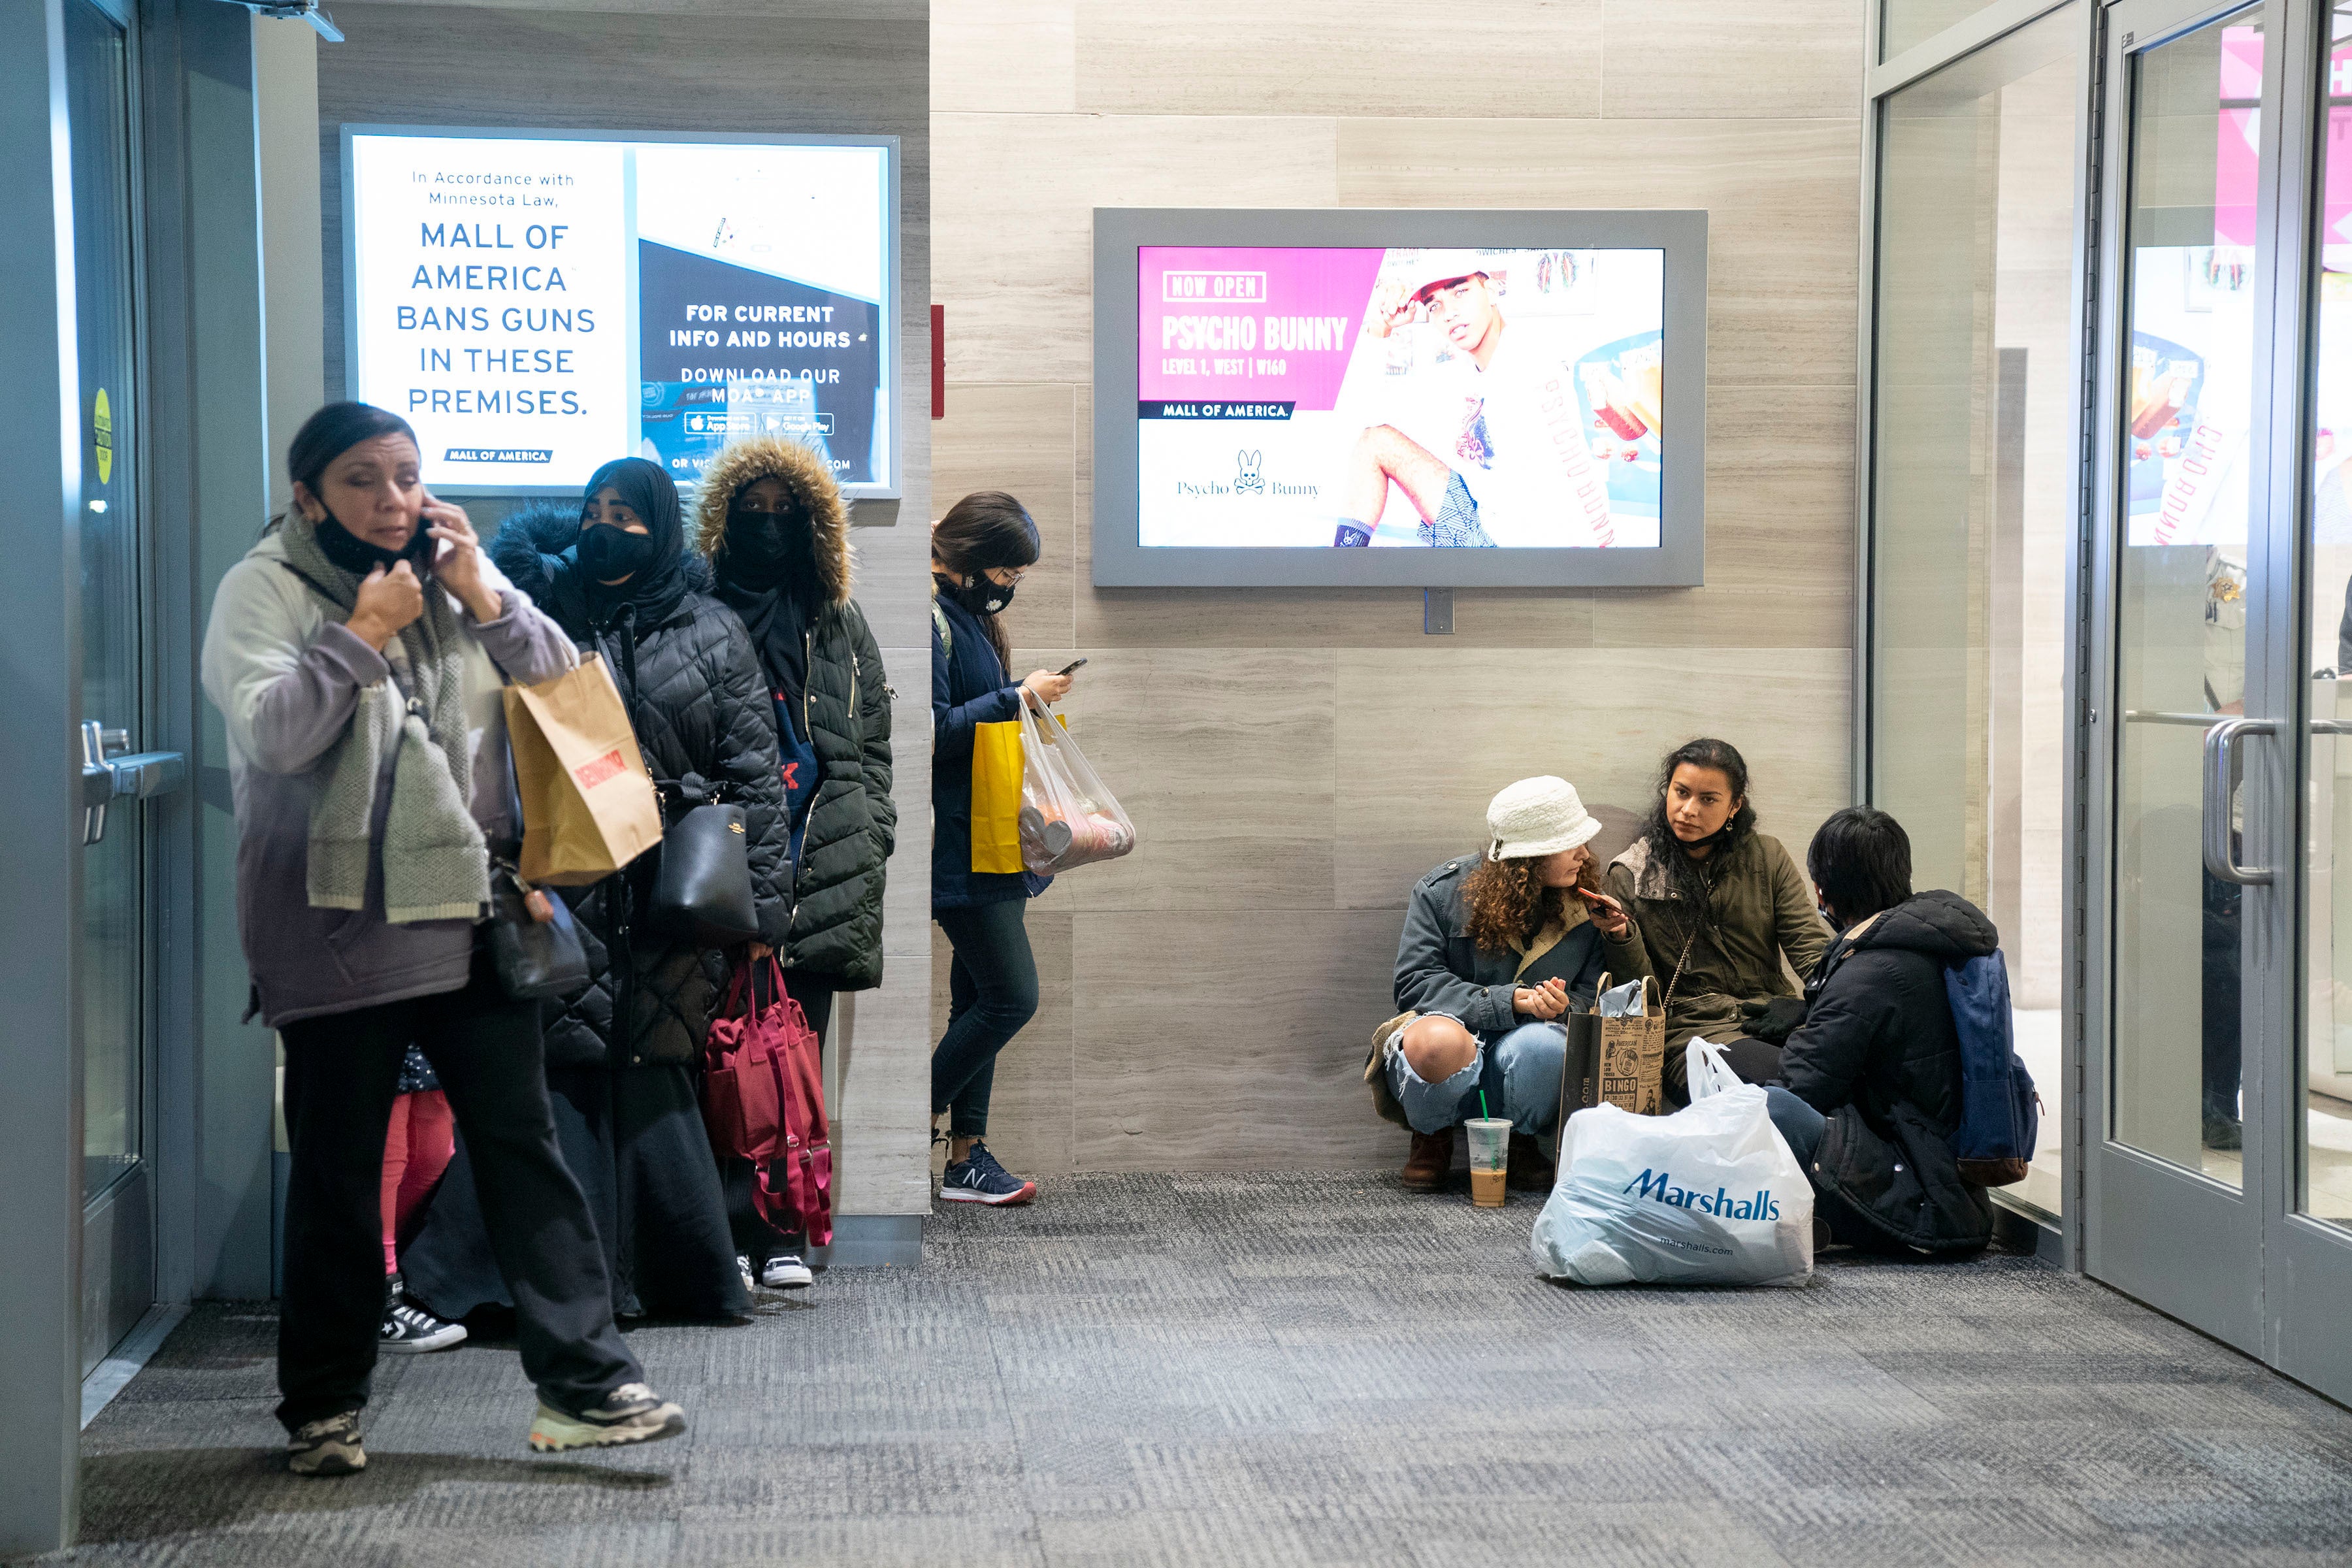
point(435, 864)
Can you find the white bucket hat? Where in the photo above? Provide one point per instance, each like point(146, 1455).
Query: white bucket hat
point(1536, 817)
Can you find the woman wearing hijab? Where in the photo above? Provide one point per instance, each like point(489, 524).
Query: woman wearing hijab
point(771, 519)
point(355, 655)
point(617, 576)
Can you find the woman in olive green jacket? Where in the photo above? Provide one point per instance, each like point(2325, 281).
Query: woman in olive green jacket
point(1719, 905)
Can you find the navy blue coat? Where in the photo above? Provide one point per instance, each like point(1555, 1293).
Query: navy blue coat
point(969, 688)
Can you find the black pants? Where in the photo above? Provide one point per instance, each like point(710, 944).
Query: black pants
point(992, 993)
point(341, 1073)
point(755, 1239)
point(2223, 992)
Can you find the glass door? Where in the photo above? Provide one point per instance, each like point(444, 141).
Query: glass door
point(2312, 1268)
point(2182, 516)
point(2220, 1189)
point(119, 1230)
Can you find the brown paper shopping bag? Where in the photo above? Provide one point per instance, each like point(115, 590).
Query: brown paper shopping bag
point(588, 806)
point(1633, 1054)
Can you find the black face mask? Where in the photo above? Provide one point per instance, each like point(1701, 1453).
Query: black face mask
point(607, 553)
point(358, 557)
point(766, 548)
point(982, 597)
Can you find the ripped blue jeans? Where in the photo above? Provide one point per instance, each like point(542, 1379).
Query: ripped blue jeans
point(1519, 1070)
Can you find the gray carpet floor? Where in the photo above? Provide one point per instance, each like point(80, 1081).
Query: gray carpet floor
point(1239, 1370)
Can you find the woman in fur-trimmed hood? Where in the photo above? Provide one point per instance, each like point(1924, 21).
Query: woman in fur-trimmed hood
point(772, 522)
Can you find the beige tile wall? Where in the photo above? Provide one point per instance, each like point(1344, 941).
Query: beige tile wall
point(1294, 759)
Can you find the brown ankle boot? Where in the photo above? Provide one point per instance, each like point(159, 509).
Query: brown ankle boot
point(1529, 1172)
point(1431, 1161)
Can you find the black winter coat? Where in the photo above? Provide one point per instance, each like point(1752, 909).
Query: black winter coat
point(699, 704)
point(1878, 1056)
point(853, 824)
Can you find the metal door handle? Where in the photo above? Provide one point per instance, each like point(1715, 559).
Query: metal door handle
point(2220, 744)
point(105, 779)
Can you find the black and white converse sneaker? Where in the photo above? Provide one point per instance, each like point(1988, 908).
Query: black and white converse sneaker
point(785, 1271)
point(327, 1447)
point(632, 1413)
point(410, 1330)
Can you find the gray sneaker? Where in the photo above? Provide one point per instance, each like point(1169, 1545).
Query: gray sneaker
point(630, 1414)
point(327, 1447)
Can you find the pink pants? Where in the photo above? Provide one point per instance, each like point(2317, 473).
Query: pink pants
point(418, 1148)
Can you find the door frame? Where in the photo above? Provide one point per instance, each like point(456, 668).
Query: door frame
point(2307, 1262)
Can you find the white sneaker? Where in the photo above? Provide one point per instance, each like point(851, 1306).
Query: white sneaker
point(785, 1271)
point(743, 1267)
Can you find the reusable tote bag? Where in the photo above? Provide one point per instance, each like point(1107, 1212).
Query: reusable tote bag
point(1068, 816)
point(588, 807)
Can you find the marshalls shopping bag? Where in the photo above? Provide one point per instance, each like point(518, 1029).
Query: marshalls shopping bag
point(1068, 816)
point(1708, 1195)
point(588, 807)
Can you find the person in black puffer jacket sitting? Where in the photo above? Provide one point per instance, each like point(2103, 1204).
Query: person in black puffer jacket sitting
point(1869, 1088)
point(615, 575)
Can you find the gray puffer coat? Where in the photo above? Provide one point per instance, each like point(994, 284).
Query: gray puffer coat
point(700, 705)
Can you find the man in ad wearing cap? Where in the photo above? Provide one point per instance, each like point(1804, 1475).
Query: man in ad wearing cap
point(1516, 471)
point(1496, 943)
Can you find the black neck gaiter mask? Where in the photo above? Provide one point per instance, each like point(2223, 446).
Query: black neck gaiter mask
point(358, 557)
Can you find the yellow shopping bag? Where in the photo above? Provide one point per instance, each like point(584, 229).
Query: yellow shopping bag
point(996, 766)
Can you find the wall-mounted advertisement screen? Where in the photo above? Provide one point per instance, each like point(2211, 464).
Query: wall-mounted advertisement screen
point(1454, 398)
point(536, 304)
point(1508, 398)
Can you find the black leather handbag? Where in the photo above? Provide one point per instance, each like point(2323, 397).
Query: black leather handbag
point(702, 890)
point(534, 962)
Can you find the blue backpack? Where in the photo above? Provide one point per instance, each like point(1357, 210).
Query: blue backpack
point(2000, 1115)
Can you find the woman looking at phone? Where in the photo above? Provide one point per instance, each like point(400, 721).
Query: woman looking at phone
point(1496, 946)
point(979, 551)
point(1723, 904)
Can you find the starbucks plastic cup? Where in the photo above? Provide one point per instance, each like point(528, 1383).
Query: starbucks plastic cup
point(1490, 1156)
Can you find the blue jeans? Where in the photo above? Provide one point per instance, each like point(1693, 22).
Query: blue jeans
point(1519, 1072)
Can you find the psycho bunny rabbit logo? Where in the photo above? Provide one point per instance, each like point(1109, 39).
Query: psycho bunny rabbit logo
point(1249, 482)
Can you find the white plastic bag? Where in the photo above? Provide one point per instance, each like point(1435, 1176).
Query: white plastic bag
point(1068, 816)
point(1709, 1195)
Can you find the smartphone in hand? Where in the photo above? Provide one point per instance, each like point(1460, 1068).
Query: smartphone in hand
point(1600, 900)
point(1071, 665)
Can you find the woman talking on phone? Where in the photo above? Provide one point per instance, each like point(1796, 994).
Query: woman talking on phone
point(355, 655)
point(1496, 945)
point(979, 551)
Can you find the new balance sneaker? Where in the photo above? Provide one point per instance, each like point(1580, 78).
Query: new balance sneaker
point(630, 1414)
point(785, 1271)
point(977, 1178)
point(411, 1329)
point(328, 1448)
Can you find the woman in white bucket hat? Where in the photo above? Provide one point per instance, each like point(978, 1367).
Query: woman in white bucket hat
point(1496, 945)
